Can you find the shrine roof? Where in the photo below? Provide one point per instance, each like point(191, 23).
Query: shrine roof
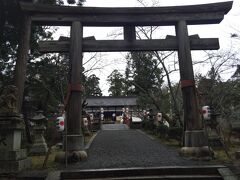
point(111, 101)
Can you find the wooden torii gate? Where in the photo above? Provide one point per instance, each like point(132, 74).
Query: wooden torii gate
point(128, 18)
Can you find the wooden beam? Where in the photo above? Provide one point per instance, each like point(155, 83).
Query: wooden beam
point(122, 45)
point(44, 8)
point(64, 38)
point(127, 19)
point(129, 33)
point(136, 16)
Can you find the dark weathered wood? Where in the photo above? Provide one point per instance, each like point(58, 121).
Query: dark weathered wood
point(94, 16)
point(43, 8)
point(22, 58)
point(129, 33)
point(121, 45)
point(53, 46)
point(123, 20)
point(194, 36)
point(64, 38)
point(74, 108)
point(190, 105)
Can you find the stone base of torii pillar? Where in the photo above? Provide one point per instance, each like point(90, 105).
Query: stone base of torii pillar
point(72, 157)
point(196, 146)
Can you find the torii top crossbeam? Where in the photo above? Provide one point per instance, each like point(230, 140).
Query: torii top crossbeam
point(136, 16)
point(128, 18)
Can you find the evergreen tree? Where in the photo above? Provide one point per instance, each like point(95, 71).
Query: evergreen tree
point(92, 86)
point(128, 85)
point(46, 80)
point(116, 81)
point(144, 80)
point(142, 72)
point(46, 83)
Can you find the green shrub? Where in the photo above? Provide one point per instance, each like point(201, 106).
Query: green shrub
point(52, 134)
point(162, 131)
point(148, 125)
point(175, 133)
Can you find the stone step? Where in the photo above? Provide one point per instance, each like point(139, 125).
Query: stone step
point(168, 177)
point(169, 172)
point(33, 174)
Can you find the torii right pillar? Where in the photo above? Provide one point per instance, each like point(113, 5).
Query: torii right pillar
point(195, 139)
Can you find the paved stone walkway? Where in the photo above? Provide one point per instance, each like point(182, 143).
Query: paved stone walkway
point(129, 148)
point(114, 127)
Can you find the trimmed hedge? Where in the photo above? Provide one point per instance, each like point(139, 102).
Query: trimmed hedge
point(175, 133)
point(163, 131)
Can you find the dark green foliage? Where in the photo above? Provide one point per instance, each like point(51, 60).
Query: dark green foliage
point(116, 81)
point(144, 73)
point(10, 25)
point(79, 2)
point(52, 135)
point(91, 85)
point(142, 65)
point(222, 96)
point(47, 75)
point(162, 131)
point(9, 33)
point(144, 79)
point(47, 81)
point(148, 125)
point(175, 133)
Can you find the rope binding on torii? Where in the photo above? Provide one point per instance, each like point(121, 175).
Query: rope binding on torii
point(72, 88)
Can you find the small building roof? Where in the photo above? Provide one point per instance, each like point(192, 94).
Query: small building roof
point(111, 101)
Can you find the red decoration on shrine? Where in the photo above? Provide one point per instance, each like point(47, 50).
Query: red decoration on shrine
point(61, 123)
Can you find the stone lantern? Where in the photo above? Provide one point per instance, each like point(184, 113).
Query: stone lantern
point(39, 127)
point(13, 158)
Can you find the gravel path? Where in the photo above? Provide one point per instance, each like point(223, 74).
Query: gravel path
point(129, 148)
point(114, 127)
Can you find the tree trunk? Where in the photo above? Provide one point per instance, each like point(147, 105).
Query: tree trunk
point(22, 58)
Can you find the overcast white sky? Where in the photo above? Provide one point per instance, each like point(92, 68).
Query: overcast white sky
point(116, 60)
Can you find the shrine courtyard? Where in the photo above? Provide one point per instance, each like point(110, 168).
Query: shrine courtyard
point(116, 148)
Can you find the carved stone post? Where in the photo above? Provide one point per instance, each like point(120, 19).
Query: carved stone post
point(195, 141)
